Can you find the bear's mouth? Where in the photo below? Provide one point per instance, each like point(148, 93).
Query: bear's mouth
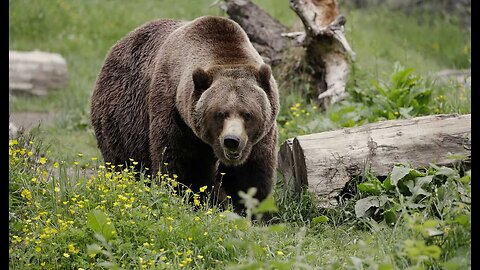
point(232, 156)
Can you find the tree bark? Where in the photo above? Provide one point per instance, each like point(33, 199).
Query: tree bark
point(36, 72)
point(325, 162)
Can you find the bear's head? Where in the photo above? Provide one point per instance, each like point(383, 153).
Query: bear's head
point(235, 107)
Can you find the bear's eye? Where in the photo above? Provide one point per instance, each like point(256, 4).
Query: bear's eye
point(247, 117)
point(221, 115)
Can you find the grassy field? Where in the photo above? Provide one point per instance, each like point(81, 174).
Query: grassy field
point(61, 195)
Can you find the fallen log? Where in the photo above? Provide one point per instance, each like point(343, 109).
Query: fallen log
point(36, 72)
point(325, 162)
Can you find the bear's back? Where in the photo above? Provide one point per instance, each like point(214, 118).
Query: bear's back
point(211, 40)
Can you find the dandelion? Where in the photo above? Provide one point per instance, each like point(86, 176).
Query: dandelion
point(26, 194)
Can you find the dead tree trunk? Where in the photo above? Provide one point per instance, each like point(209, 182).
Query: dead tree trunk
point(325, 162)
point(36, 72)
point(326, 48)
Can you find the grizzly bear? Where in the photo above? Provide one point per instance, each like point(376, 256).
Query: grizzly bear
point(192, 98)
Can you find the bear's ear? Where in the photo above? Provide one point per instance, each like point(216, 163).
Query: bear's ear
point(201, 79)
point(264, 75)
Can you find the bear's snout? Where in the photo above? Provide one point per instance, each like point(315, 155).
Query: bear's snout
point(231, 142)
point(233, 138)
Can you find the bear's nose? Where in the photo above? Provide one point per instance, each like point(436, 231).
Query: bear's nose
point(231, 142)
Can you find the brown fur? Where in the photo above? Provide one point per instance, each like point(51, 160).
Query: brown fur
point(168, 90)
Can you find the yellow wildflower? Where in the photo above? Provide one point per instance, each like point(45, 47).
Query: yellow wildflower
point(26, 194)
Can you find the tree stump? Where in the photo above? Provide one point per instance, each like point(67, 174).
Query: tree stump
point(325, 162)
point(36, 72)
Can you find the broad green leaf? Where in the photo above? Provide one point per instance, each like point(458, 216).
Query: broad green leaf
point(98, 222)
point(433, 251)
point(465, 179)
point(405, 112)
point(267, 205)
point(398, 173)
point(320, 219)
point(410, 185)
point(430, 223)
point(423, 180)
point(385, 266)
point(387, 184)
point(277, 228)
point(93, 249)
point(462, 220)
point(390, 216)
point(419, 191)
point(362, 205)
point(449, 172)
point(96, 219)
point(370, 187)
